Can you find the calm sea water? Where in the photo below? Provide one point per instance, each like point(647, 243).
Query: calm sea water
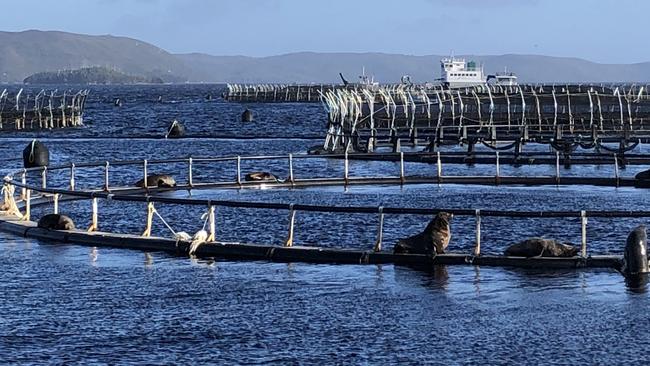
point(70, 304)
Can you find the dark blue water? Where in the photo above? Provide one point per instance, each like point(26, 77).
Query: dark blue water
point(70, 304)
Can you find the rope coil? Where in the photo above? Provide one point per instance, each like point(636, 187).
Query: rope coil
point(9, 204)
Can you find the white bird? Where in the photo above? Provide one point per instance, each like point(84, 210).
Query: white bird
point(199, 238)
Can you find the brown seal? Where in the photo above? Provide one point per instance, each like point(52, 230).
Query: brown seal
point(538, 247)
point(158, 180)
point(260, 177)
point(55, 222)
point(433, 240)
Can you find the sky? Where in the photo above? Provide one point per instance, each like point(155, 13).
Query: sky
point(607, 31)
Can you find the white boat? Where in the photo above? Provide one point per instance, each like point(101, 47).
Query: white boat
point(457, 73)
point(505, 78)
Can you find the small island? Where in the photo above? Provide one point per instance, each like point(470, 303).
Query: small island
point(89, 75)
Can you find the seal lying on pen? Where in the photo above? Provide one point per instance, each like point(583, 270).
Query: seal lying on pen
point(538, 247)
point(55, 222)
point(157, 180)
point(260, 177)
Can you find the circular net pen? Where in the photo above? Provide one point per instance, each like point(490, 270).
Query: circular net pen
point(194, 206)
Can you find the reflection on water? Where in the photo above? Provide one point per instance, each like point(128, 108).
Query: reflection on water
point(262, 311)
point(637, 283)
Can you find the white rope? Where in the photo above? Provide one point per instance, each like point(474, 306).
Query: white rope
point(9, 205)
point(164, 222)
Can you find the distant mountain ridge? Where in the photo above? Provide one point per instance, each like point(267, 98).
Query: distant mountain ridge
point(26, 53)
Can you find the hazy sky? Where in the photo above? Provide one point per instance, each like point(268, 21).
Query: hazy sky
point(612, 31)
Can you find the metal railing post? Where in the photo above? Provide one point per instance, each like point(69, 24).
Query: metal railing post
point(23, 180)
point(292, 221)
point(93, 222)
point(401, 168)
point(291, 168)
point(616, 173)
point(380, 231)
point(211, 224)
point(56, 203)
point(149, 223)
point(72, 174)
point(106, 176)
point(144, 172)
point(346, 168)
point(498, 168)
point(439, 166)
point(557, 167)
point(583, 224)
point(28, 205)
point(238, 180)
point(189, 173)
point(477, 247)
point(44, 177)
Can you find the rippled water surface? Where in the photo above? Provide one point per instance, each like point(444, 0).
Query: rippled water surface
point(72, 304)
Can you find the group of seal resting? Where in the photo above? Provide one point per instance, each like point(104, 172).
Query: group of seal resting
point(433, 240)
point(55, 222)
point(436, 236)
point(157, 180)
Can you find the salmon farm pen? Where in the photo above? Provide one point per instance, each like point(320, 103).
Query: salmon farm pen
point(565, 117)
point(43, 110)
point(48, 187)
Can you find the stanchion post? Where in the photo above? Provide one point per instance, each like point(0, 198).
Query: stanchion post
point(189, 173)
point(583, 224)
point(616, 174)
point(28, 205)
point(292, 222)
point(477, 247)
point(44, 177)
point(211, 223)
point(93, 222)
point(149, 223)
point(23, 180)
point(144, 172)
point(346, 168)
point(238, 178)
point(72, 174)
point(56, 203)
point(439, 166)
point(106, 166)
point(557, 167)
point(380, 231)
point(498, 168)
point(401, 167)
point(291, 169)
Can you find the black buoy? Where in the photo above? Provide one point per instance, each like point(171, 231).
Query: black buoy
point(36, 154)
point(247, 116)
point(117, 102)
point(175, 130)
point(635, 256)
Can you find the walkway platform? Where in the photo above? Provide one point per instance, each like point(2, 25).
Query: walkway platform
point(308, 254)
